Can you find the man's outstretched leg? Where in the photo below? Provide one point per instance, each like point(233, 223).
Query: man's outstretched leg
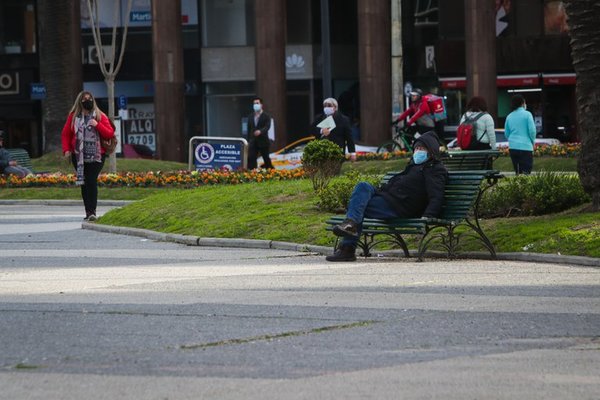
point(364, 202)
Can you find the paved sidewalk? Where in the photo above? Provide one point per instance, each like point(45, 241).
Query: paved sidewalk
point(96, 315)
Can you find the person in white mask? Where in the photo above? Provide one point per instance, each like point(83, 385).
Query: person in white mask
point(341, 134)
point(259, 123)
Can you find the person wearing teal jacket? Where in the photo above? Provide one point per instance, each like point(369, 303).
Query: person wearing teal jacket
point(519, 129)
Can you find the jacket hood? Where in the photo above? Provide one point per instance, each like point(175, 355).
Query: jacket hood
point(430, 140)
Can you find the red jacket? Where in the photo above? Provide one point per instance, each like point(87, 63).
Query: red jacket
point(69, 138)
point(416, 110)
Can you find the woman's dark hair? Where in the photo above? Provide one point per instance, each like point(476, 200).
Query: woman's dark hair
point(477, 104)
point(516, 101)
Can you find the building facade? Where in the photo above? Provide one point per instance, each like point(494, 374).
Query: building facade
point(224, 46)
point(533, 58)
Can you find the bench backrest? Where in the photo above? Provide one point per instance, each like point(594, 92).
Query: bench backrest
point(460, 193)
point(470, 160)
point(21, 156)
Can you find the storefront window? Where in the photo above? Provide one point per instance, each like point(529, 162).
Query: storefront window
point(18, 22)
point(227, 106)
point(227, 23)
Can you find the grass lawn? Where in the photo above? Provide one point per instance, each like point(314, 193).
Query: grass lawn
point(286, 210)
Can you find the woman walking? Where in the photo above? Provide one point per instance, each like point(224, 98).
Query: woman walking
point(81, 142)
point(519, 129)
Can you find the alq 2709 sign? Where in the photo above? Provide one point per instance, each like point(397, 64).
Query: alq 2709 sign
point(140, 126)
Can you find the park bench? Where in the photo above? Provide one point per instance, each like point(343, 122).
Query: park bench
point(462, 194)
point(21, 156)
point(469, 160)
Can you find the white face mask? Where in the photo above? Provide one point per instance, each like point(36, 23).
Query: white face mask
point(328, 110)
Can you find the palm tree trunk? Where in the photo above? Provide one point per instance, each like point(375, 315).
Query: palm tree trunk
point(585, 51)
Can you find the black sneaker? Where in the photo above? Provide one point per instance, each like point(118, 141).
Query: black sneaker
point(348, 228)
point(344, 253)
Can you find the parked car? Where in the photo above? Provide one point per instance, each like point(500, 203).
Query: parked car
point(290, 157)
point(501, 141)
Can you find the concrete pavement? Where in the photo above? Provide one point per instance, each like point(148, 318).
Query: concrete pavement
point(96, 315)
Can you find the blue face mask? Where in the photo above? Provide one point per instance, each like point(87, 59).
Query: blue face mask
point(328, 110)
point(257, 107)
point(420, 156)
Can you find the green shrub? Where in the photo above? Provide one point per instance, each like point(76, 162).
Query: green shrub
point(322, 160)
point(335, 197)
point(543, 193)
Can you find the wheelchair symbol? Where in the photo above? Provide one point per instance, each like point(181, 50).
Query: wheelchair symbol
point(205, 153)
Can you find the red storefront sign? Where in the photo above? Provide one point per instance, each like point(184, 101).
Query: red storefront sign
point(518, 80)
point(514, 81)
point(559, 79)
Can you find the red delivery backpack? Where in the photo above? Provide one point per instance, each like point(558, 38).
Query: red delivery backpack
point(437, 108)
point(465, 133)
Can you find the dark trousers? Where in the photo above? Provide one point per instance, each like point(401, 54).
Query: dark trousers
point(365, 202)
point(89, 190)
point(439, 130)
point(522, 161)
point(253, 151)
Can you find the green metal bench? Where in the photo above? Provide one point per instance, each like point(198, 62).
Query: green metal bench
point(460, 208)
point(470, 160)
point(21, 156)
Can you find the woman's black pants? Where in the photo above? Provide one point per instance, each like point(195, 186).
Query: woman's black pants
point(89, 190)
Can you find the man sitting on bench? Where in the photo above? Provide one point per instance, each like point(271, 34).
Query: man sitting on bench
point(8, 166)
point(418, 191)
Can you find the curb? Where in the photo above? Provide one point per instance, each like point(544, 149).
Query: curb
point(207, 242)
point(326, 250)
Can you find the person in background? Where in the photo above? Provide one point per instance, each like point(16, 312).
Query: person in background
point(485, 133)
point(9, 166)
point(418, 191)
point(419, 113)
point(259, 123)
point(519, 129)
point(86, 125)
point(341, 134)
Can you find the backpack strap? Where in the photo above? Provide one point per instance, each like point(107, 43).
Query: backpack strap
point(481, 114)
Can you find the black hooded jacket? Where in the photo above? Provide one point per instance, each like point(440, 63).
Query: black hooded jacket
point(419, 189)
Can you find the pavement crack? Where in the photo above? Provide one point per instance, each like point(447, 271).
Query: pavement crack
point(267, 337)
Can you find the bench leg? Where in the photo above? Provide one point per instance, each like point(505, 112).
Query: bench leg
point(448, 240)
point(393, 238)
point(481, 236)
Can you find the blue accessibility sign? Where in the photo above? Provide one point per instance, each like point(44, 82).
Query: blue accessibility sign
point(218, 156)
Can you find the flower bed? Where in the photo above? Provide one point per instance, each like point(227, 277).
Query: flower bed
point(543, 150)
point(182, 179)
